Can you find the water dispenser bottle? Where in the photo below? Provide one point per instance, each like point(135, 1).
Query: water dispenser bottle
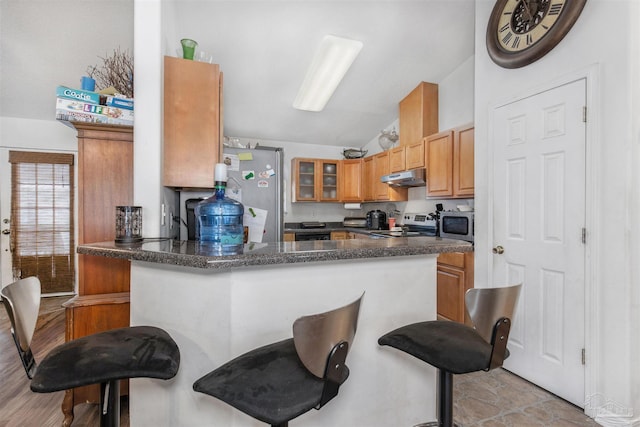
point(219, 219)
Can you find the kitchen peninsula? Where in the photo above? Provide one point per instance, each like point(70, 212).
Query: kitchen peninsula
point(218, 307)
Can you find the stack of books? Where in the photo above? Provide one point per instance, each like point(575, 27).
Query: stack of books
point(76, 105)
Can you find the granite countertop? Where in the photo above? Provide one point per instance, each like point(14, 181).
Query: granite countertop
point(194, 254)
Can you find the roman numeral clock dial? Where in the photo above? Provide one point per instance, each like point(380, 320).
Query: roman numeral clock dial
point(523, 31)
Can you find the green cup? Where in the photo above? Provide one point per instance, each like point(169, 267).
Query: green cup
point(188, 48)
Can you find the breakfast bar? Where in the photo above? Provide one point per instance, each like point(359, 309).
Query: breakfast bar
point(218, 307)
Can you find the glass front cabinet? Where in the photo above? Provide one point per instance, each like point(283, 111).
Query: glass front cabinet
point(315, 180)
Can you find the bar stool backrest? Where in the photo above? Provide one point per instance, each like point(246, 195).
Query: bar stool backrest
point(487, 305)
point(316, 335)
point(21, 299)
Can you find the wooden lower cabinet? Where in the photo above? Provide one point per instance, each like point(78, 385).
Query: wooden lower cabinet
point(86, 315)
point(353, 235)
point(455, 277)
point(340, 235)
point(289, 237)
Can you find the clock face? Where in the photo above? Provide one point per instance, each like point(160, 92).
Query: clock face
point(522, 31)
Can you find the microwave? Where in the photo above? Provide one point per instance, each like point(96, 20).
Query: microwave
point(456, 225)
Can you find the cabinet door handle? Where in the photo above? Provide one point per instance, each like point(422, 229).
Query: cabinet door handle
point(499, 250)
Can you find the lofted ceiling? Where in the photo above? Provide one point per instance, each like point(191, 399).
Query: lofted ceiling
point(263, 48)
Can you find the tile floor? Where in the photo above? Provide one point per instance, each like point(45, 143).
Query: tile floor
point(501, 399)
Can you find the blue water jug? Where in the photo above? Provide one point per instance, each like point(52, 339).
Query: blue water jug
point(219, 220)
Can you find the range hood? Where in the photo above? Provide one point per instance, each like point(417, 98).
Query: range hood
point(410, 178)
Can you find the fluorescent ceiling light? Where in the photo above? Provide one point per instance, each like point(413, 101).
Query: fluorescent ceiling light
point(330, 63)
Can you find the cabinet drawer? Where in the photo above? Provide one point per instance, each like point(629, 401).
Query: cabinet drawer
point(455, 259)
point(339, 235)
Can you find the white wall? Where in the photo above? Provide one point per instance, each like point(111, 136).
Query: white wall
point(37, 134)
point(633, 212)
point(604, 38)
point(147, 188)
point(455, 96)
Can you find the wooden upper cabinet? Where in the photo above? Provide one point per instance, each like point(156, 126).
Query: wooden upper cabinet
point(382, 191)
point(397, 159)
point(304, 173)
point(450, 163)
point(380, 168)
point(418, 114)
point(329, 182)
point(463, 162)
point(439, 161)
point(351, 180)
point(192, 122)
point(406, 157)
point(414, 155)
point(368, 182)
point(316, 180)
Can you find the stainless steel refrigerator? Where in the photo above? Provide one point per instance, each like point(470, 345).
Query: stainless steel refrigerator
point(256, 180)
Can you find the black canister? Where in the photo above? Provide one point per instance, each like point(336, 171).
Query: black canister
point(376, 220)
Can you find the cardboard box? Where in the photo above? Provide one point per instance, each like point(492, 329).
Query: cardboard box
point(80, 116)
point(124, 103)
point(71, 105)
point(78, 94)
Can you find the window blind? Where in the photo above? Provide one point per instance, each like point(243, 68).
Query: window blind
point(42, 225)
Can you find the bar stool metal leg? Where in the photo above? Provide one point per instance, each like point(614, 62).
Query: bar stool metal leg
point(110, 404)
point(444, 402)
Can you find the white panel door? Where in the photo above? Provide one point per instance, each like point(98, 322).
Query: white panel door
point(538, 221)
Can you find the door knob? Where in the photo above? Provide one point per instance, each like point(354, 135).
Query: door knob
point(498, 250)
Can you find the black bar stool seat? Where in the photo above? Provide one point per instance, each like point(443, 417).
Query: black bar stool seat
point(104, 358)
point(278, 382)
point(269, 383)
point(451, 346)
point(455, 348)
point(132, 352)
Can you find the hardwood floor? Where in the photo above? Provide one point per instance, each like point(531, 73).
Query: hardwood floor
point(20, 406)
point(494, 399)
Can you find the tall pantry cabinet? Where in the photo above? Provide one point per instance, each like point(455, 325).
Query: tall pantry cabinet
point(105, 180)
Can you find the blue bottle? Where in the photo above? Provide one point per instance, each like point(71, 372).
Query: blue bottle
point(219, 219)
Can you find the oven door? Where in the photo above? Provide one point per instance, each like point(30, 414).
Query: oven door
point(316, 235)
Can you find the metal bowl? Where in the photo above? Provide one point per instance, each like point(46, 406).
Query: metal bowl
point(352, 153)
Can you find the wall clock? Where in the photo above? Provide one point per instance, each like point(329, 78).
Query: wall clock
point(523, 31)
